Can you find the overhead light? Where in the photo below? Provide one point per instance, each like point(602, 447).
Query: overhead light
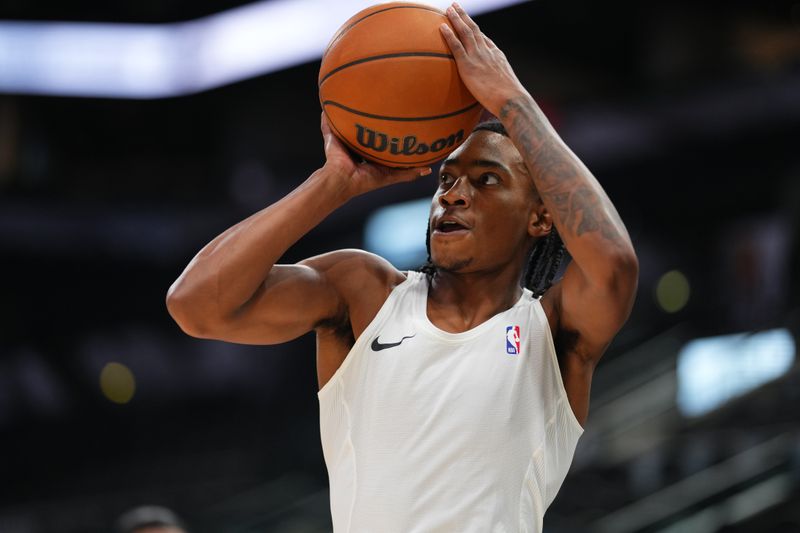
point(163, 60)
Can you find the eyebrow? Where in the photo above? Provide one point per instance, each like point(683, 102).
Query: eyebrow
point(484, 163)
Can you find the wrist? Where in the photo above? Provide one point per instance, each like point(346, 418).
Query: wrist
point(334, 184)
point(513, 102)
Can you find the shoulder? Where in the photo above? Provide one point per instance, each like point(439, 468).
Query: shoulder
point(356, 274)
point(362, 281)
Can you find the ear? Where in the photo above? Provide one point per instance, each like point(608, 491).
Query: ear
point(540, 222)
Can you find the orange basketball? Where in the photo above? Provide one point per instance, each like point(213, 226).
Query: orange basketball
point(389, 86)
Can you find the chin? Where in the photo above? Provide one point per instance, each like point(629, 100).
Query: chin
point(452, 264)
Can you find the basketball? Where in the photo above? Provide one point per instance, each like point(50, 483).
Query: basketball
point(390, 89)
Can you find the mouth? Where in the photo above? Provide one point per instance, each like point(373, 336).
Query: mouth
point(450, 226)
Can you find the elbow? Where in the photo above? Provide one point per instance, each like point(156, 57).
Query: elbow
point(186, 312)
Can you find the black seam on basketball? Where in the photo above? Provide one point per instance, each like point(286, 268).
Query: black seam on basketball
point(411, 164)
point(384, 56)
point(345, 30)
point(398, 119)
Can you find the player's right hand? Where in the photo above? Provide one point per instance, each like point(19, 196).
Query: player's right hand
point(362, 177)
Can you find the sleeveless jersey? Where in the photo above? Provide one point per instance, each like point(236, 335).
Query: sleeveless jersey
point(428, 431)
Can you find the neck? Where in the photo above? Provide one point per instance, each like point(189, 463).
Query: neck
point(461, 301)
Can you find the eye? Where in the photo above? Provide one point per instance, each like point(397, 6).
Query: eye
point(489, 179)
point(446, 179)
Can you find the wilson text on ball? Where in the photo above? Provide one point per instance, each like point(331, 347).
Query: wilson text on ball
point(408, 145)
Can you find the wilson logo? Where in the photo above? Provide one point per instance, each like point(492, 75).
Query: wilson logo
point(408, 145)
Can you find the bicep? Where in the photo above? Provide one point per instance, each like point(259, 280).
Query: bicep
point(596, 309)
point(291, 302)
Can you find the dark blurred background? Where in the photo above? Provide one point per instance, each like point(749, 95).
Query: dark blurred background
point(687, 112)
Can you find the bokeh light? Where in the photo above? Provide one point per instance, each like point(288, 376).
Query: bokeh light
point(713, 370)
point(672, 291)
point(117, 383)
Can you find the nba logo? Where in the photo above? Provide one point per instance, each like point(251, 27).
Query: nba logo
point(512, 340)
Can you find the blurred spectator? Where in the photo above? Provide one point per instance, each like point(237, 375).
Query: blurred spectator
point(755, 278)
point(791, 200)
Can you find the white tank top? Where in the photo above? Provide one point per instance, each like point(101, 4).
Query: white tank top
point(428, 431)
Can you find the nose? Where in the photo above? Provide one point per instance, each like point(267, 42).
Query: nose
point(458, 194)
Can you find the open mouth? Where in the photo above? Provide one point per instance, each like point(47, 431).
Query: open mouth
point(447, 227)
point(450, 226)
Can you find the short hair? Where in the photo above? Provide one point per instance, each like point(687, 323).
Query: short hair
point(546, 256)
point(492, 124)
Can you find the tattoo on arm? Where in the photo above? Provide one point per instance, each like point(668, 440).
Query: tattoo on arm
point(562, 181)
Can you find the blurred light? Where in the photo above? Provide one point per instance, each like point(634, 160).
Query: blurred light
point(161, 60)
point(397, 233)
point(672, 291)
point(117, 383)
point(714, 370)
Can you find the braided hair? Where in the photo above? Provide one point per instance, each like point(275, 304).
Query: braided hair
point(545, 257)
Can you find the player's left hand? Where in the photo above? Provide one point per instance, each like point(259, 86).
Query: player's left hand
point(483, 67)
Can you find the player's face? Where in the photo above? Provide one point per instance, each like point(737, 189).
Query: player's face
point(482, 210)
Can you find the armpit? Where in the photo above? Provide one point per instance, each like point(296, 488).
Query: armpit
point(566, 342)
point(338, 326)
point(570, 343)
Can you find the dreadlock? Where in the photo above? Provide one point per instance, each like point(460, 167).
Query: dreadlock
point(545, 257)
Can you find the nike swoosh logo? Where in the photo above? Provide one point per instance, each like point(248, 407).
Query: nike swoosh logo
point(377, 346)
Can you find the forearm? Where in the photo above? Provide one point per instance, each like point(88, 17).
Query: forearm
point(227, 272)
point(586, 220)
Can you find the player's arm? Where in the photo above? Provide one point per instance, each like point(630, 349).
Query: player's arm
point(232, 289)
point(597, 291)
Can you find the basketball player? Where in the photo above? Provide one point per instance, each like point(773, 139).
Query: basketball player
point(452, 399)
